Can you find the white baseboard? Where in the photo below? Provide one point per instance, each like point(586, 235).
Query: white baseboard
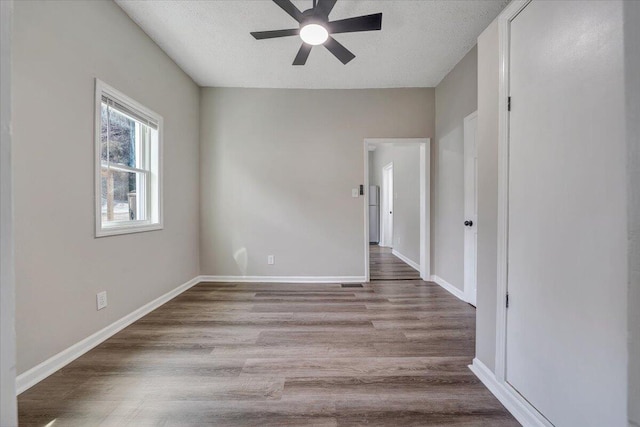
point(284, 279)
point(406, 260)
point(522, 410)
point(41, 371)
point(449, 287)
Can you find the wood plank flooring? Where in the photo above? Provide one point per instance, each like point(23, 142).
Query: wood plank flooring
point(388, 354)
point(383, 265)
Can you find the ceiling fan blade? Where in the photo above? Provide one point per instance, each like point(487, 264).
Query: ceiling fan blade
point(339, 51)
point(325, 6)
point(359, 23)
point(260, 35)
point(303, 54)
point(290, 8)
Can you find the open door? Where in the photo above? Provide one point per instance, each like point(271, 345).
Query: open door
point(470, 208)
point(387, 206)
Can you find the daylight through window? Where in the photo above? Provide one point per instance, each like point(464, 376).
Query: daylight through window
point(128, 165)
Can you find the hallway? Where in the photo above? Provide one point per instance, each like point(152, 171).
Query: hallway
point(383, 265)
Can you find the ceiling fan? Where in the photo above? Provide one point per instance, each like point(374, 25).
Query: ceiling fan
point(316, 29)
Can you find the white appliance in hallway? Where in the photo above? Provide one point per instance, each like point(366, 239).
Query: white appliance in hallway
point(374, 214)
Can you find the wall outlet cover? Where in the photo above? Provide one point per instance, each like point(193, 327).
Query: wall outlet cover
point(101, 300)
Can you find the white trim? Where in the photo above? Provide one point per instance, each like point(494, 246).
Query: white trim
point(127, 227)
point(397, 141)
point(448, 287)
point(425, 197)
point(156, 220)
point(510, 398)
point(425, 210)
point(41, 371)
point(504, 23)
point(123, 168)
point(470, 116)
point(284, 279)
point(406, 260)
point(367, 149)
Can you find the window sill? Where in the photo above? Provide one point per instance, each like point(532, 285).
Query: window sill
point(123, 229)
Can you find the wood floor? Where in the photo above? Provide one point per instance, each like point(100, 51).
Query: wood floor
point(387, 354)
point(383, 265)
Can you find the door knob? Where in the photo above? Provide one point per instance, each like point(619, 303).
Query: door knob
point(468, 223)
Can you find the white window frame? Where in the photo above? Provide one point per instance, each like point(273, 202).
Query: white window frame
point(153, 177)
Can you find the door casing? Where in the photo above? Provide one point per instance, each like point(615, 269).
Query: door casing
point(425, 200)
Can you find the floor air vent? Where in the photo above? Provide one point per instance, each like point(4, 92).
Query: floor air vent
point(351, 285)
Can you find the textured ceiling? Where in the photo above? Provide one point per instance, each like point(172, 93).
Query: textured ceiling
point(420, 41)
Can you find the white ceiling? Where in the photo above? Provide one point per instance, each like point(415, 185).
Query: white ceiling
point(420, 41)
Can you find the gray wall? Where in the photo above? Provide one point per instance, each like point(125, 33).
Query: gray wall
point(487, 140)
point(632, 74)
point(58, 51)
point(406, 188)
point(456, 98)
point(371, 168)
point(277, 168)
point(8, 407)
point(382, 156)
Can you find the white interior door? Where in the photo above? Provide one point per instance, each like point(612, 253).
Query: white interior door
point(567, 272)
point(387, 205)
point(470, 208)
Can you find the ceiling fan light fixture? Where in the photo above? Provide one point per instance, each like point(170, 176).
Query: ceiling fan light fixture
point(314, 34)
point(314, 29)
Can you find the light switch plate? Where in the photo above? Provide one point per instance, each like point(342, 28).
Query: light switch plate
point(271, 259)
point(355, 192)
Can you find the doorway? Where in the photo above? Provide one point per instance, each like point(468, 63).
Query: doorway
point(406, 241)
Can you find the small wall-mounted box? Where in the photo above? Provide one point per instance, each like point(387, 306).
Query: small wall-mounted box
point(101, 300)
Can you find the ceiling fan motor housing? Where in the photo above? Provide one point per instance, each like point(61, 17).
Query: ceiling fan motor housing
point(314, 16)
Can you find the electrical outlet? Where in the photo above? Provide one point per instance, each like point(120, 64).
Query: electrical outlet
point(101, 300)
point(271, 259)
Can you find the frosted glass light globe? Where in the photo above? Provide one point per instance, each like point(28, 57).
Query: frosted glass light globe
point(314, 34)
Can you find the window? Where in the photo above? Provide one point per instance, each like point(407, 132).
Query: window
point(128, 164)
